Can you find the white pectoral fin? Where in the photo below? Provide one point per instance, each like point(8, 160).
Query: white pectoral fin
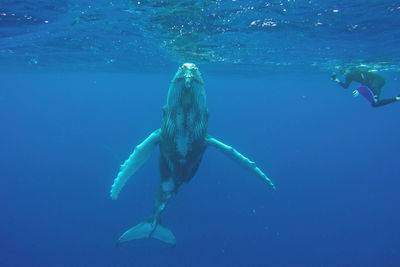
point(239, 158)
point(139, 156)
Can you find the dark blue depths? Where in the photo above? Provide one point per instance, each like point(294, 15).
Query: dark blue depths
point(333, 158)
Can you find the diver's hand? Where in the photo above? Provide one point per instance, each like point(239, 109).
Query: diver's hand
point(356, 93)
point(334, 78)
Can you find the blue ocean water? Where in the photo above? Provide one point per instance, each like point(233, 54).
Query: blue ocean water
point(83, 82)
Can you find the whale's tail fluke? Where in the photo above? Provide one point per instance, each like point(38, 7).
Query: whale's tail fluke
point(146, 230)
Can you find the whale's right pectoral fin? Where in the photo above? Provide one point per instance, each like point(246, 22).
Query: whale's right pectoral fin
point(139, 156)
point(239, 158)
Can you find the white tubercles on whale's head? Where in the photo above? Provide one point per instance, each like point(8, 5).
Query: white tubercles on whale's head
point(187, 86)
point(189, 74)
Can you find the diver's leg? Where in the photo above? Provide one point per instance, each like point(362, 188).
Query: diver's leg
point(384, 102)
point(377, 89)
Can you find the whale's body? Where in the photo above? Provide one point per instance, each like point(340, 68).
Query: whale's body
point(184, 126)
point(182, 140)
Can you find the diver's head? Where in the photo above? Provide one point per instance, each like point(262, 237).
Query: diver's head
point(346, 71)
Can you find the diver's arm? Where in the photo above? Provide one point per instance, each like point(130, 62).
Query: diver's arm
point(345, 84)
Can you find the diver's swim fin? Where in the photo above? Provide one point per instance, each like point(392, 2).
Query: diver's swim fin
point(368, 94)
point(147, 230)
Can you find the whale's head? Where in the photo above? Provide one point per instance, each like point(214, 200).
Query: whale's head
point(189, 75)
point(187, 87)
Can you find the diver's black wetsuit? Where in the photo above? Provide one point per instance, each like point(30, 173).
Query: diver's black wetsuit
point(370, 79)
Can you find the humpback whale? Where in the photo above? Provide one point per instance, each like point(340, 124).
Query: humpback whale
point(182, 141)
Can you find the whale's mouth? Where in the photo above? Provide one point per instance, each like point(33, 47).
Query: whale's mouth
point(188, 81)
point(189, 71)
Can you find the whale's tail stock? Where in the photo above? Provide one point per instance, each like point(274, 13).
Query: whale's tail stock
point(148, 229)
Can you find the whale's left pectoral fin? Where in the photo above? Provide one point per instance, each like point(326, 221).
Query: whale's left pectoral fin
point(139, 156)
point(239, 158)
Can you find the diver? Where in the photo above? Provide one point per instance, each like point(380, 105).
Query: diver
point(372, 85)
